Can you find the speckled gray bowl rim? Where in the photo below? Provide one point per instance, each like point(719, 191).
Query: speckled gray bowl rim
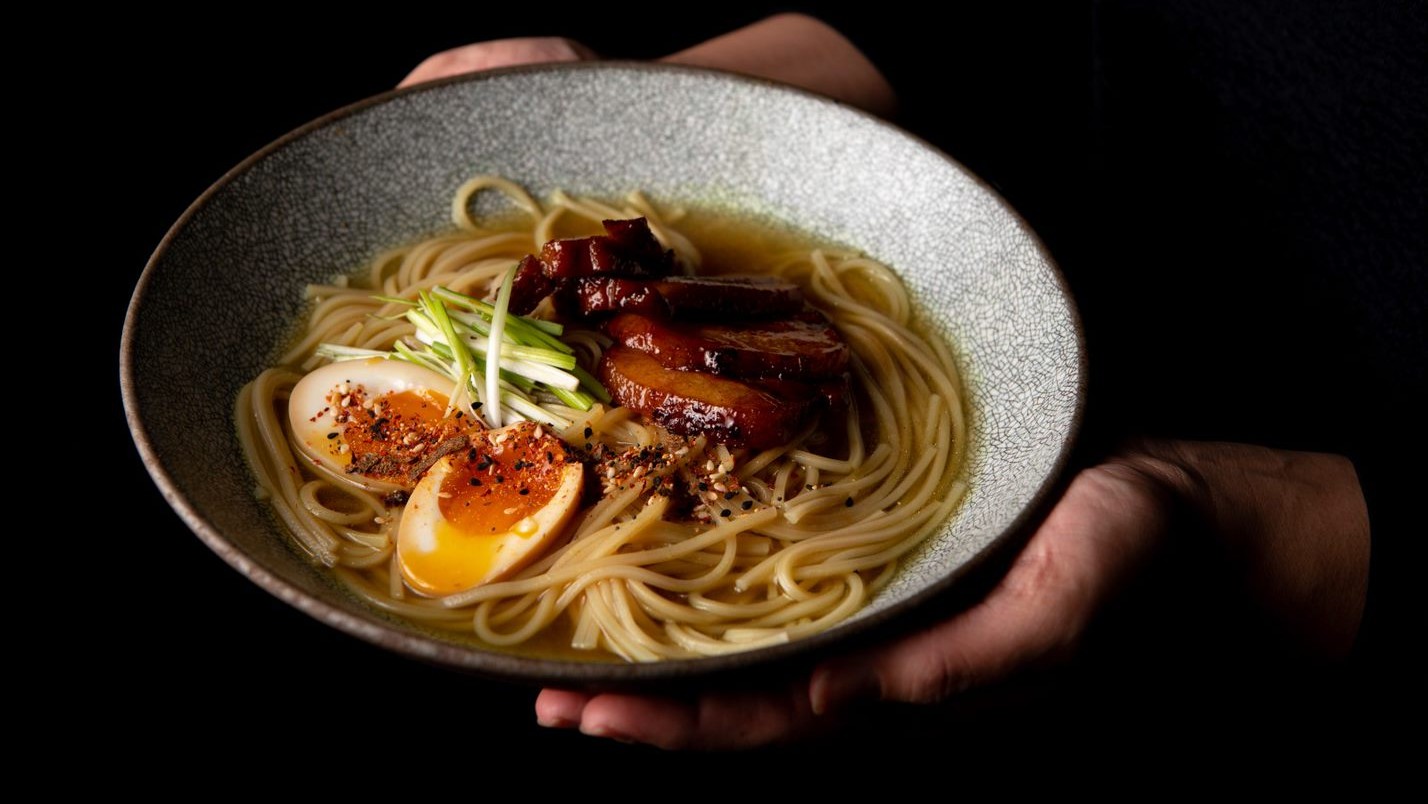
point(514, 667)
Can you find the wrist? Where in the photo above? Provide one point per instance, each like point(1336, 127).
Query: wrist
point(1289, 531)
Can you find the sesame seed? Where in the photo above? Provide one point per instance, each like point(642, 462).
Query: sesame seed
point(747, 504)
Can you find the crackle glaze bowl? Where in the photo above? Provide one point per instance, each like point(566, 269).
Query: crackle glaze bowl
point(225, 287)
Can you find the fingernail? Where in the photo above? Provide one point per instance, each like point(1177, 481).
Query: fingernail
point(554, 721)
point(602, 730)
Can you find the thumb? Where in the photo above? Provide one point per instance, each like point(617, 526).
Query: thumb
point(974, 647)
point(1091, 540)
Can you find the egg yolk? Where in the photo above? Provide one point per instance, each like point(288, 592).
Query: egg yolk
point(394, 437)
point(484, 512)
point(489, 491)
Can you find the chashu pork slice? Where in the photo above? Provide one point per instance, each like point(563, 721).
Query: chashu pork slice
point(694, 403)
point(709, 298)
point(805, 347)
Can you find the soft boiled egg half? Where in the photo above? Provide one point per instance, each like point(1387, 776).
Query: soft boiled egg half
point(482, 504)
point(379, 423)
point(481, 514)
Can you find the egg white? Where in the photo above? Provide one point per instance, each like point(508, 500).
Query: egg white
point(437, 557)
point(316, 400)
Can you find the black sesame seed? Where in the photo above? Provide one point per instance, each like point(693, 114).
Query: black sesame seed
point(475, 481)
point(848, 503)
point(331, 436)
point(726, 512)
point(729, 495)
point(524, 492)
point(476, 405)
point(747, 504)
point(589, 432)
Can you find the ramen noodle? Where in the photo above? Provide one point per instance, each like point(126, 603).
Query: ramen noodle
point(644, 544)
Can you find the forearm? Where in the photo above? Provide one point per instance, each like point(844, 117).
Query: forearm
point(1291, 528)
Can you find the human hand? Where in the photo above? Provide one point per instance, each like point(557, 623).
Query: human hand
point(1104, 528)
point(1292, 526)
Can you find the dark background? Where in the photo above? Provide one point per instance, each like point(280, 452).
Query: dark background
point(1236, 199)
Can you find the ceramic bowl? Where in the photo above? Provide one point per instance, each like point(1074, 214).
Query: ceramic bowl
point(225, 287)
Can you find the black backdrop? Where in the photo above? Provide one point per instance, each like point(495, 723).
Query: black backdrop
point(1065, 110)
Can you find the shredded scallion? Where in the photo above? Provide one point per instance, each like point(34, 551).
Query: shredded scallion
point(504, 365)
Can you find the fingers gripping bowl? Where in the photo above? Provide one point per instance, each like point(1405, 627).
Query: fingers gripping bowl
point(324, 200)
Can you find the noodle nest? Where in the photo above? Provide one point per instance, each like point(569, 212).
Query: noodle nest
point(828, 515)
